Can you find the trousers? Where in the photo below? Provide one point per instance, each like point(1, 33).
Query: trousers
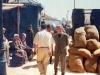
point(62, 60)
point(42, 60)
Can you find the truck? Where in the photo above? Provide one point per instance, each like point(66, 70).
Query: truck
point(82, 17)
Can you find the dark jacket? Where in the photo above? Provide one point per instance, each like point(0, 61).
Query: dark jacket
point(61, 43)
point(29, 38)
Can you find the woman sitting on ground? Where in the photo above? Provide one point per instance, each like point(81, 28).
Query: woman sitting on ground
point(28, 50)
point(19, 56)
point(16, 43)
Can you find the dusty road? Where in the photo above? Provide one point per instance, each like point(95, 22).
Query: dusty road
point(30, 68)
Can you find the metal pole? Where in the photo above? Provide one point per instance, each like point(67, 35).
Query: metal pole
point(67, 17)
point(18, 19)
point(74, 4)
point(2, 57)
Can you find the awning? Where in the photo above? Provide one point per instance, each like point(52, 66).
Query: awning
point(10, 6)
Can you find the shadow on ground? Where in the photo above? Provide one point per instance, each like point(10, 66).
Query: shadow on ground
point(29, 66)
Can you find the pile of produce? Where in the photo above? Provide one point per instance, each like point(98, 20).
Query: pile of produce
point(85, 50)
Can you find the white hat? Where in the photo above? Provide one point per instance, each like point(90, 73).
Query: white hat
point(24, 34)
point(16, 35)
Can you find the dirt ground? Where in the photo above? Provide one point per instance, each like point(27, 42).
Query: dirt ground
point(30, 68)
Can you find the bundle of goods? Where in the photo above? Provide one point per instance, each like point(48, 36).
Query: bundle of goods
point(92, 44)
point(79, 37)
point(85, 52)
point(91, 32)
point(81, 51)
point(75, 62)
point(91, 64)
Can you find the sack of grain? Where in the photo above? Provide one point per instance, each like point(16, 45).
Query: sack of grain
point(98, 67)
point(75, 63)
point(80, 37)
point(92, 44)
point(91, 32)
point(81, 51)
point(91, 64)
point(97, 52)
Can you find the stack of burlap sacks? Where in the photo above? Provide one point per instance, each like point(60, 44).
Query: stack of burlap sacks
point(85, 52)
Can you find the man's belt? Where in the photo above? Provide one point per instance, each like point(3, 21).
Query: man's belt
point(43, 47)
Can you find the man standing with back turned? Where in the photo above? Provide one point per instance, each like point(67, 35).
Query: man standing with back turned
point(30, 36)
point(43, 46)
point(50, 30)
point(61, 42)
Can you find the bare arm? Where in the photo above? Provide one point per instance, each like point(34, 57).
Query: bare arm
point(35, 48)
point(51, 46)
point(50, 49)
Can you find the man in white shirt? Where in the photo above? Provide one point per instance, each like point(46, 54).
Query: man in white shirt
point(43, 42)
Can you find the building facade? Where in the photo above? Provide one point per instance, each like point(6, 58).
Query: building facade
point(29, 14)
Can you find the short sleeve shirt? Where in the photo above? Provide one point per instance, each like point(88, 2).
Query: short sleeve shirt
point(43, 39)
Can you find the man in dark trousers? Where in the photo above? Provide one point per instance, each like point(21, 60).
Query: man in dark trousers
point(30, 36)
point(61, 42)
point(50, 30)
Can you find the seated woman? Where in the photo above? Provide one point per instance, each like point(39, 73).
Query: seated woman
point(28, 50)
point(16, 43)
point(19, 56)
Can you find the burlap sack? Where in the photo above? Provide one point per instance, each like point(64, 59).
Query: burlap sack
point(91, 32)
point(75, 63)
point(80, 37)
point(98, 67)
point(92, 44)
point(81, 51)
point(91, 64)
point(97, 52)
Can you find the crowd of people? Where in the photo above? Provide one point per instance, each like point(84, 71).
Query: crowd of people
point(42, 45)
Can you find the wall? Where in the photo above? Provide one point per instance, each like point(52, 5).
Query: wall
point(28, 15)
point(52, 21)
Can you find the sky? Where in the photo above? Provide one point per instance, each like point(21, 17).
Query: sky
point(63, 8)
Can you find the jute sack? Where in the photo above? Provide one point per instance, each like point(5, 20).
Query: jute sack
point(91, 32)
point(98, 67)
point(91, 64)
point(81, 51)
point(96, 52)
point(80, 37)
point(75, 63)
point(92, 44)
